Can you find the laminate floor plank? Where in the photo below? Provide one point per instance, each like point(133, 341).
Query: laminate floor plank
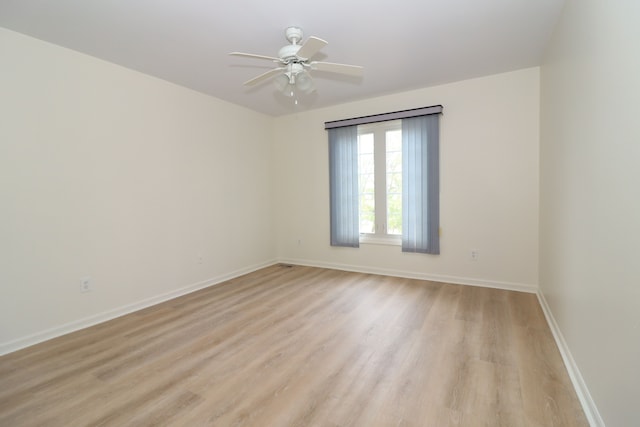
point(302, 346)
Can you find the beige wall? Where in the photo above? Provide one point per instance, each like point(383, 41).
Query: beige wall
point(590, 202)
point(489, 184)
point(112, 174)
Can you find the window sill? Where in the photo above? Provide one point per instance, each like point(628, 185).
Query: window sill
point(370, 239)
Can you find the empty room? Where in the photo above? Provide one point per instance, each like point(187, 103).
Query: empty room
point(319, 214)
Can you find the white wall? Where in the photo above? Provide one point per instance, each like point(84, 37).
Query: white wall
point(590, 202)
point(112, 174)
point(489, 184)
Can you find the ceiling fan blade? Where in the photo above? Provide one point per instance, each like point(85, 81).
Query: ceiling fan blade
point(251, 55)
point(310, 47)
point(351, 70)
point(264, 76)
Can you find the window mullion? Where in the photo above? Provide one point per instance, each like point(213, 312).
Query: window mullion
point(380, 181)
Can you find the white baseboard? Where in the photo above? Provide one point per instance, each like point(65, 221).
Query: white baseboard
point(520, 287)
point(66, 328)
point(588, 405)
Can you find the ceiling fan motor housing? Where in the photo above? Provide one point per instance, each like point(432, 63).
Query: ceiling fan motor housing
point(288, 53)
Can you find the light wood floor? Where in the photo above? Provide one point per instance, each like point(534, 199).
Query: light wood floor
point(302, 346)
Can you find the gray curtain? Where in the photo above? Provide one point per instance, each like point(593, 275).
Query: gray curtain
point(343, 186)
point(421, 184)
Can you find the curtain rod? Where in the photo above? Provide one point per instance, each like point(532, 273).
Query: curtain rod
point(404, 114)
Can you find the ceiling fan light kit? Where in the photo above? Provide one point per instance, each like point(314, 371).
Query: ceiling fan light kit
point(294, 63)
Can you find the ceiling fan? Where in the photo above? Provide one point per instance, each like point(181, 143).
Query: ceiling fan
point(294, 63)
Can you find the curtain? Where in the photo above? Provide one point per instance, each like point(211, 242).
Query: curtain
point(343, 186)
point(420, 184)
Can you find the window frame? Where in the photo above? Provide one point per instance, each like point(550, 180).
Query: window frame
point(379, 130)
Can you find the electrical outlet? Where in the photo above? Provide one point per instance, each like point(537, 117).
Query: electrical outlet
point(85, 284)
point(474, 255)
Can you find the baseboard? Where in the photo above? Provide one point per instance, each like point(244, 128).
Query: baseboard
point(86, 322)
point(588, 405)
point(520, 287)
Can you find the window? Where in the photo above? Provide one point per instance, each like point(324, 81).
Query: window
point(384, 179)
point(380, 182)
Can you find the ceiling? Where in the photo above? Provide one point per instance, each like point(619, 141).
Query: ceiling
point(406, 44)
